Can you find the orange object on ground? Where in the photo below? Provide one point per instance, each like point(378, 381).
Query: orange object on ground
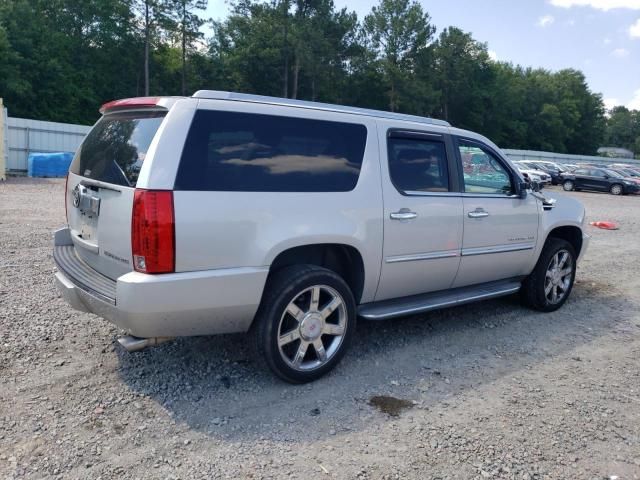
point(605, 225)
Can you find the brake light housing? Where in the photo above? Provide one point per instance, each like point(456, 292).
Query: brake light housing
point(128, 103)
point(153, 231)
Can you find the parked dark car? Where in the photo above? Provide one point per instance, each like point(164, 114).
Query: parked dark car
point(599, 179)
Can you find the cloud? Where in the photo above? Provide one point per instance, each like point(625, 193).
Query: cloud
point(609, 103)
point(545, 21)
point(634, 104)
point(634, 30)
point(604, 5)
point(606, 41)
point(493, 55)
point(620, 52)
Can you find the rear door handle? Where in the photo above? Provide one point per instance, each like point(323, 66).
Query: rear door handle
point(403, 214)
point(478, 213)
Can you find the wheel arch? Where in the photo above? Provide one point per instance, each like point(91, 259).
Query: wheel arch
point(343, 259)
point(571, 234)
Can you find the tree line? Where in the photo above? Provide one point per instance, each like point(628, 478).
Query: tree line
point(61, 59)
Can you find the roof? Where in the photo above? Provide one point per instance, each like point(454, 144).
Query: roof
point(289, 102)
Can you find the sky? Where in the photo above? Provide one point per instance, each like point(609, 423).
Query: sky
point(599, 37)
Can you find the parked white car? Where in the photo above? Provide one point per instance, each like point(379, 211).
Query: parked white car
point(286, 219)
point(538, 176)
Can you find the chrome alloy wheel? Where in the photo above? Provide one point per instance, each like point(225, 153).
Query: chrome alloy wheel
point(312, 328)
point(558, 276)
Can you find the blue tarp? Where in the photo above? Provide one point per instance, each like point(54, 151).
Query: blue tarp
point(49, 164)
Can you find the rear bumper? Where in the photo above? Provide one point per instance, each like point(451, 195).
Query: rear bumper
point(168, 305)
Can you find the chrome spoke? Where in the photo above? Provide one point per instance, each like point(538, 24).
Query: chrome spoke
point(295, 312)
point(315, 299)
point(565, 272)
point(563, 259)
point(289, 337)
point(548, 288)
point(319, 347)
point(330, 308)
point(300, 353)
point(332, 329)
point(554, 294)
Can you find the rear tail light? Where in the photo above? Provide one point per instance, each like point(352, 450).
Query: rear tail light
point(153, 231)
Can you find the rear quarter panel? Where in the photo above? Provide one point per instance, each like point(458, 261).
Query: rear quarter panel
point(249, 229)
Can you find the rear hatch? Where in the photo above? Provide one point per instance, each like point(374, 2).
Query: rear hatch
point(101, 184)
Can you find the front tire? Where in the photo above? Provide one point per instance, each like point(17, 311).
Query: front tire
point(550, 284)
point(616, 189)
point(305, 322)
point(567, 185)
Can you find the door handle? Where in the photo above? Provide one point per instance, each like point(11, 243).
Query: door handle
point(403, 214)
point(478, 213)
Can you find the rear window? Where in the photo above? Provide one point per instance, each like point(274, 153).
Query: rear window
point(115, 148)
point(231, 151)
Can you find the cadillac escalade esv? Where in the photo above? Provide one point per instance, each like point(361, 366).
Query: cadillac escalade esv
point(288, 220)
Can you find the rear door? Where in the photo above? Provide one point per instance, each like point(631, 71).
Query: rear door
point(101, 184)
point(422, 213)
point(600, 180)
point(581, 178)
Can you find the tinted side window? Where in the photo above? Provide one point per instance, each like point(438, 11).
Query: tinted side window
point(482, 171)
point(231, 151)
point(418, 165)
point(581, 171)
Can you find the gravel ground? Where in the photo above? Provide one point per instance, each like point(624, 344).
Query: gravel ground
point(490, 390)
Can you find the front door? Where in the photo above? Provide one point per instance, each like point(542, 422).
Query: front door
point(500, 228)
point(422, 214)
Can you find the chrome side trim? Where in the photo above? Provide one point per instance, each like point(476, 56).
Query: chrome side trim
point(515, 247)
point(489, 195)
point(422, 256)
point(416, 193)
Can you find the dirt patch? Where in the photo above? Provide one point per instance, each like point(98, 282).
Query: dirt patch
point(392, 406)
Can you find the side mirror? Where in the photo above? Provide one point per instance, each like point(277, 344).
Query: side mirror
point(606, 177)
point(522, 189)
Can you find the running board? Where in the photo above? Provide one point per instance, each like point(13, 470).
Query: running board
point(426, 302)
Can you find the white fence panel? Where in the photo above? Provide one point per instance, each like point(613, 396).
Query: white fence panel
point(33, 136)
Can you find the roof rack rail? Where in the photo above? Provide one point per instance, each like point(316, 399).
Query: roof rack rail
point(289, 102)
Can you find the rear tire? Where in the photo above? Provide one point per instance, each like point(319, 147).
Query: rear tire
point(550, 284)
point(616, 189)
point(568, 185)
point(305, 322)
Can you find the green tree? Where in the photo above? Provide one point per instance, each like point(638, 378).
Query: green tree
point(464, 75)
point(623, 129)
point(185, 22)
point(398, 31)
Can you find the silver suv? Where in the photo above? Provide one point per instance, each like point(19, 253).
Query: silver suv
point(225, 212)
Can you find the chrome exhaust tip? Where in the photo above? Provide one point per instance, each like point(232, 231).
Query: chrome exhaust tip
point(134, 344)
